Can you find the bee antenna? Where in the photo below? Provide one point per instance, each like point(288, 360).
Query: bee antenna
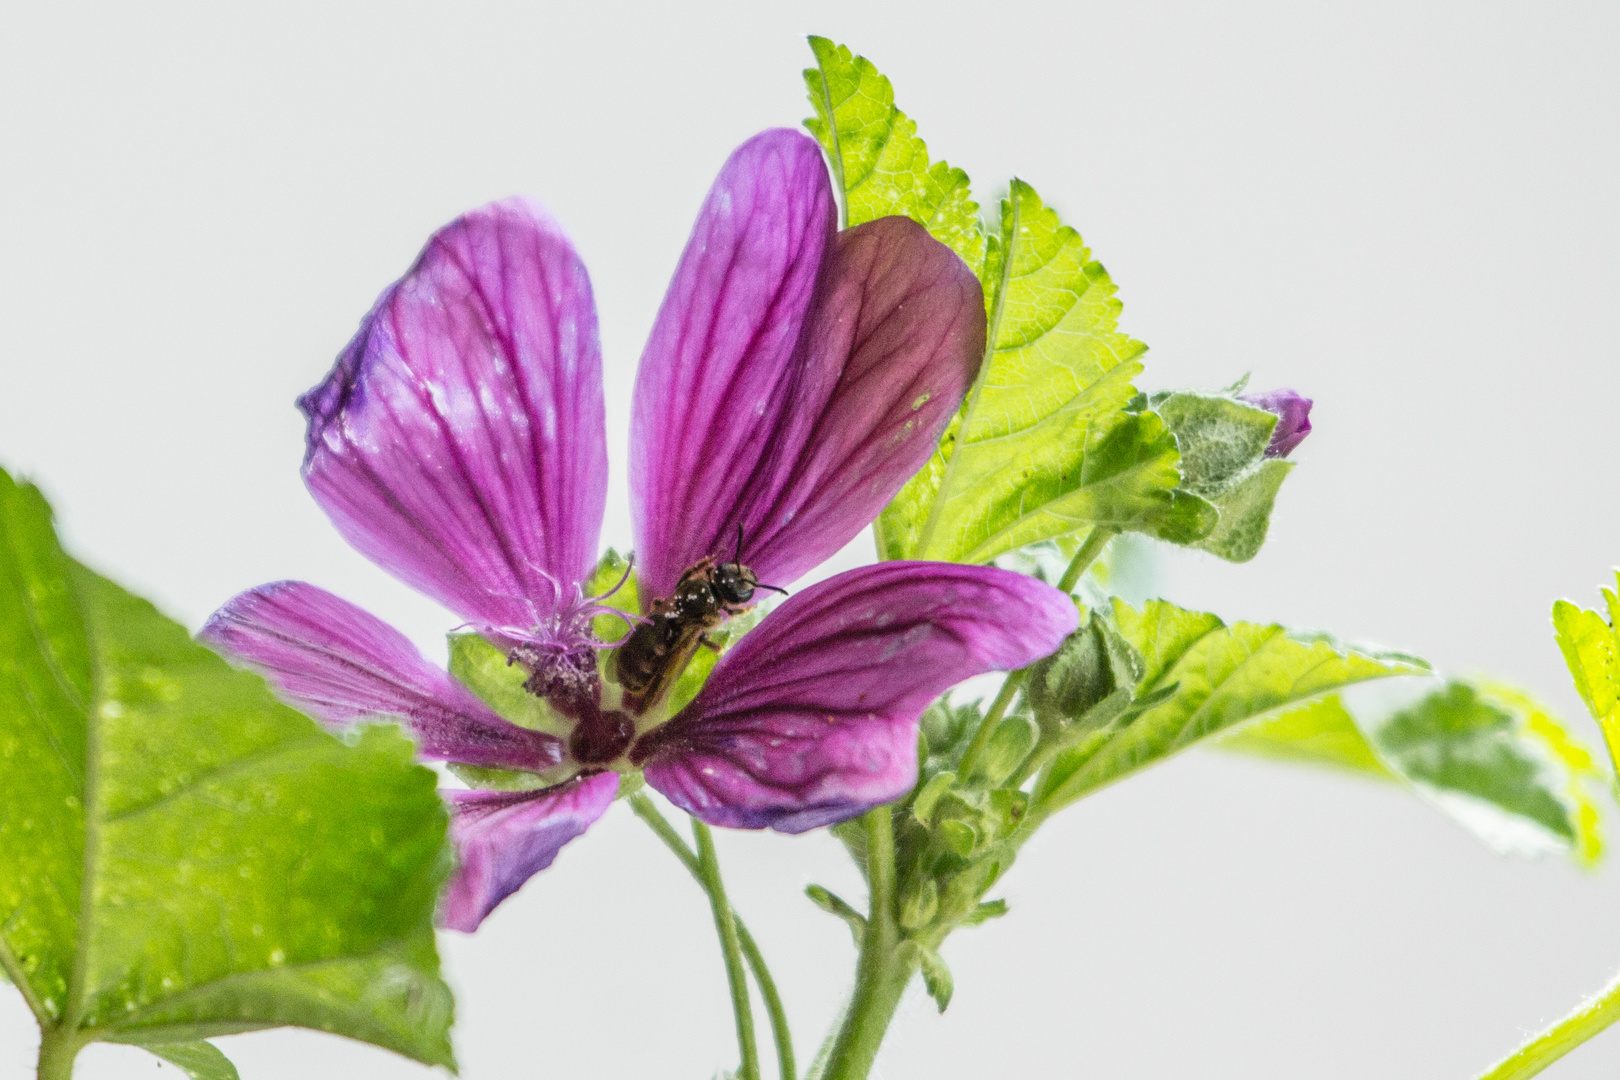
point(738, 559)
point(773, 588)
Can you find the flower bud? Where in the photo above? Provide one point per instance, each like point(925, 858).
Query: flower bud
point(1293, 419)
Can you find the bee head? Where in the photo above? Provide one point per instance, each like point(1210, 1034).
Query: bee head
point(734, 583)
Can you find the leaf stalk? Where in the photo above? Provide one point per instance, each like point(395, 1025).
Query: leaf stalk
point(1093, 547)
point(1564, 1036)
point(57, 1050)
point(726, 926)
point(884, 969)
point(787, 1068)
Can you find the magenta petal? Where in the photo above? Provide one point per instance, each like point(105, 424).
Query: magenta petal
point(1293, 418)
point(718, 375)
point(503, 838)
point(459, 441)
point(893, 345)
point(812, 718)
point(339, 663)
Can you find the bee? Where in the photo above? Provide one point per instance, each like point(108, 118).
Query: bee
point(655, 653)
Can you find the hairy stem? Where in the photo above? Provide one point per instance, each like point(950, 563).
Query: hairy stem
point(647, 811)
point(1093, 547)
point(1562, 1037)
point(884, 969)
point(726, 925)
point(987, 726)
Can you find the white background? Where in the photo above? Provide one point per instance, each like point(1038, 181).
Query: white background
point(1407, 211)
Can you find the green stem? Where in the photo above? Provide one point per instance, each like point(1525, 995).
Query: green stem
point(648, 812)
point(726, 924)
point(987, 727)
point(885, 967)
point(1093, 547)
point(1562, 1037)
point(785, 1066)
point(56, 1054)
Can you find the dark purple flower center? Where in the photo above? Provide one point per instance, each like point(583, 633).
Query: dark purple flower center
point(601, 737)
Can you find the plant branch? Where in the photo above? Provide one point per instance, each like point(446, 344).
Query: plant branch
point(987, 726)
point(1093, 547)
point(726, 926)
point(1561, 1038)
point(1095, 542)
point(885, 965)
point(57, 1052)
point(647, 811)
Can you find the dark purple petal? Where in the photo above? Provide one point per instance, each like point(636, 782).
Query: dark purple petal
point(503, 838)
point(339, 663)
point(718, 377)
point(894, 341)
point(812, 718)
point(459, 441)
point(1293, 419)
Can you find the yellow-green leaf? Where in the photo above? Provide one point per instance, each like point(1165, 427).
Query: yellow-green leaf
point(1216, 676)
point(880, 167)
point(1043, 446)
point(1592, 651)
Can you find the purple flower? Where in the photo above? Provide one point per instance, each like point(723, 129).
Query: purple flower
point(795, 378)
point(1293, 419)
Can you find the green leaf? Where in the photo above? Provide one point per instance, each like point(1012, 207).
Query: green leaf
point(1488, 755)
point(1246, 513)
point(1469, 749)
point(1223, 675)
point(200, 1060)
point(1223, 443)
point(919, 903)
point(1222, 439)
point(1044, 446)
point(1591, 648)
point(1319, 733)
point(879, 166)
point(990, 909)
point(834, 904)
point(936, 975)
point(185, 856)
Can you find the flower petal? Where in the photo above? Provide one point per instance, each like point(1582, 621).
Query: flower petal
point(893, 345)
point(503, 838)
point(812, 718)
point(340, 663)
point(459, 442)
point(718, 375)
point(1293, 418)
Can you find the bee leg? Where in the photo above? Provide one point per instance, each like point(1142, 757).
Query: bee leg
point(709, 643)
